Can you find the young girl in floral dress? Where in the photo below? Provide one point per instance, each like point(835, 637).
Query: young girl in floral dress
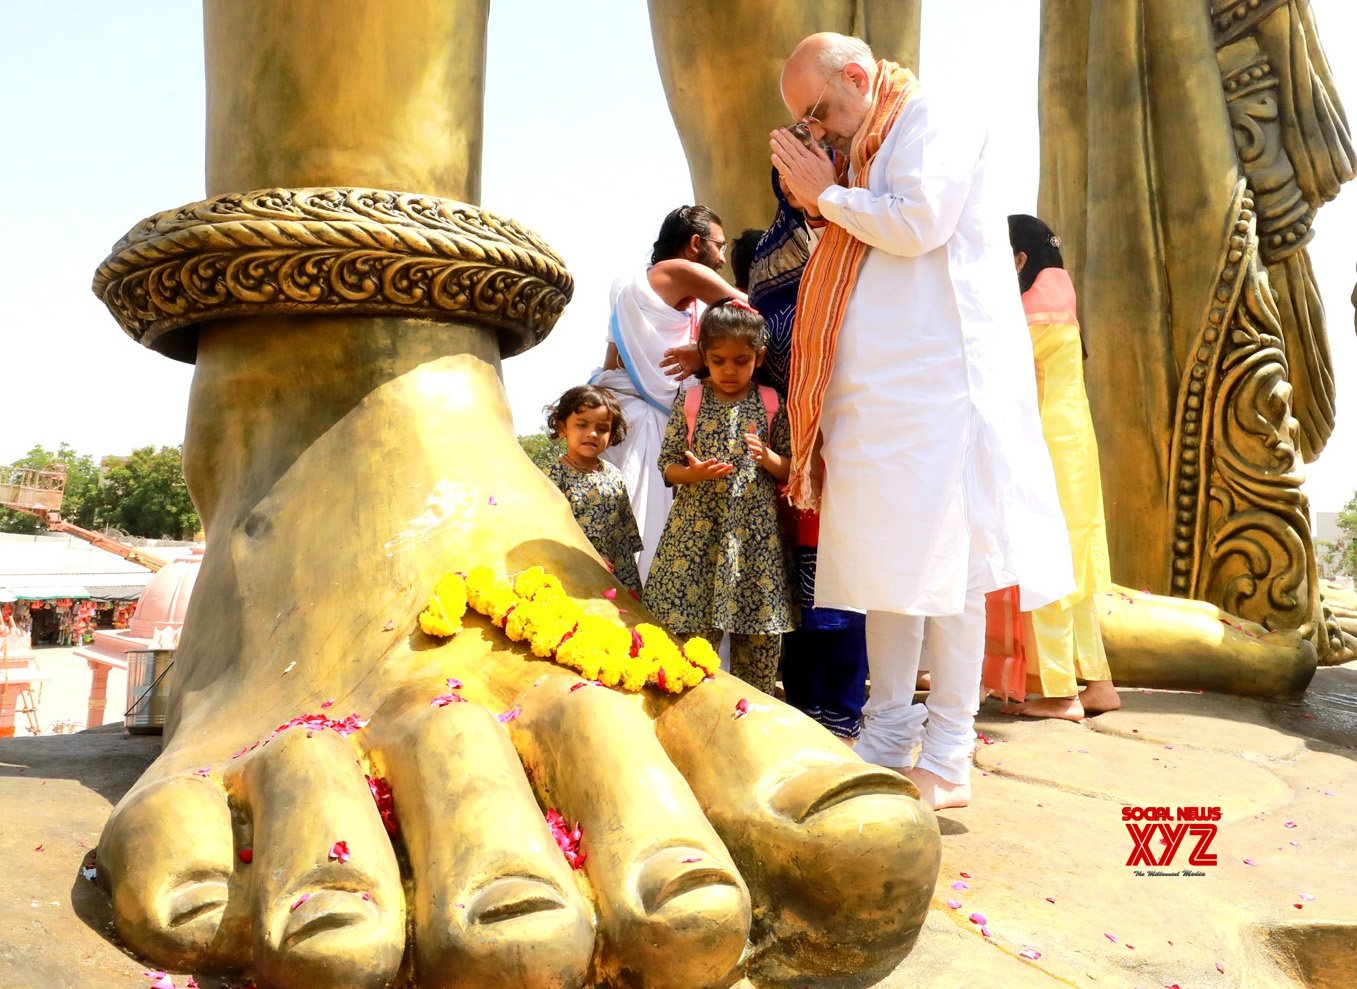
point(588, 418)
point(721, 565)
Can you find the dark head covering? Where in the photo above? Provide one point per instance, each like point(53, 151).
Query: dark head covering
point(1031, 236)
point(774, 278)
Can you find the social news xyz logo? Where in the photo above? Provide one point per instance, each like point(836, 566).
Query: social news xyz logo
point(1173, 827)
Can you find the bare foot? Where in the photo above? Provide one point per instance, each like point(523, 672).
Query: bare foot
point(937, 792)
point(1099, 696)
point(273, 860)
point(1068, 708)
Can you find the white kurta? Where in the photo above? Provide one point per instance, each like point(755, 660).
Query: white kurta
point(935, 466)
point(643, 326)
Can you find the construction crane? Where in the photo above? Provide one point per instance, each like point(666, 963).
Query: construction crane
point(39, 493)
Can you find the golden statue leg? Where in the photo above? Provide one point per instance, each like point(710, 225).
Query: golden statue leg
point(720, 61)
point(1197, 292)
point(341, 464)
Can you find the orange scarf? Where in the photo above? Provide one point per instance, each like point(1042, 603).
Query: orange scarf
point(827, 285)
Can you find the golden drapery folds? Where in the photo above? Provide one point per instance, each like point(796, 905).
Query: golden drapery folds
point(1185, 150)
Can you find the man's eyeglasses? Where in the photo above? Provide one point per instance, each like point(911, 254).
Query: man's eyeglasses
point(812, 116)
point(720, 245)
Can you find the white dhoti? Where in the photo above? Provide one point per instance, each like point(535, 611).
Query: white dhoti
point(642, 326)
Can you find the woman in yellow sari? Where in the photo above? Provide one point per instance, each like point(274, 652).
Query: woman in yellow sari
point(1063, 641)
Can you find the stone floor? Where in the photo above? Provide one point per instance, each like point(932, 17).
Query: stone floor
point(1042, 851)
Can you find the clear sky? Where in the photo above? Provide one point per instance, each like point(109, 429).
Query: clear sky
point(104, 126)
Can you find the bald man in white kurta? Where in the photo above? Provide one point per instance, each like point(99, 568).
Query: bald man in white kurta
point(938, 486)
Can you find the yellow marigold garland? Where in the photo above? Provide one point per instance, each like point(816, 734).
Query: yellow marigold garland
point(443, 616)
point(534, 608)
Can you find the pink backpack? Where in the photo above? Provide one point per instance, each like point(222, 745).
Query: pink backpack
point(692, 401)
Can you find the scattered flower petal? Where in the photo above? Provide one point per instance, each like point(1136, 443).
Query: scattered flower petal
point(386, 804)
point(1299, 906)
point(1328, 793)
point(159, 980)
point(389, 627)
point(1031, 954)
point(506, 716)
point(326, 705)
point(978, 918)
point(610, 593)
point(288, 669)
point(192, 983)
point(39, 848)
point(1168, 746)
point(491, 500)
point(1307, 897)
point(1050, 899)
point(340, 851)
point(367, 895)
point(1220, 968)
point(984, 738)
point(246, 855)
point(300, 900)
point(584, 683)
point(89, 872)
point(741, 708)
point(964, 875)
point(1289, 824)
point(567, 838)
point(984, 931)
point(690, 859)
point(1295, 844)
point(959, 885)
point(202, 771)
point(1110, 937)
point(953, 905)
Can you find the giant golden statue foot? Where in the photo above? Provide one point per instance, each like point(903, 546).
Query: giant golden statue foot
point(341, 466)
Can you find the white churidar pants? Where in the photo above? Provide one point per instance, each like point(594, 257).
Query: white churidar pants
point(952, 648)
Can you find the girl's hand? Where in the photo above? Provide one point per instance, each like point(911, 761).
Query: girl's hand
point(681, 362)
point(755, 446)
point(705, 470)
point(766, 457)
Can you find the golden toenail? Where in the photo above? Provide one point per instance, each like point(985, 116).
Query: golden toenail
point(514, 896)
point(194, 899)
point(672, 872)
point(326, 910)
point(820, 788)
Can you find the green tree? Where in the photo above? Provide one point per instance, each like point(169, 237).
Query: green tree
point(144, 494)
point(80, 503)
point(541, 448)
point(1339, 557)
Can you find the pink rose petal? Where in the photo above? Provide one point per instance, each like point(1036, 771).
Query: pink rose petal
point(978, 918)
point(202, 771)
point(959, 885)
point(1307, 897)
point(505, 717)
point(1299, 906)
point(1031, 954)
point(953, 905)
point(326, 705)
point(159, 980)
point(1220, 968)
point(1248, 861)
point(610, 593)
point(741, 708)
point(964, 875)
point(389, 627)
point(1110, 937)
point(984, 931)
point(491, 500)
point(1290, 824)
point(340, 851)
point(367, 896)
point(192, 983)
point(690, 859)
point(300, 900)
